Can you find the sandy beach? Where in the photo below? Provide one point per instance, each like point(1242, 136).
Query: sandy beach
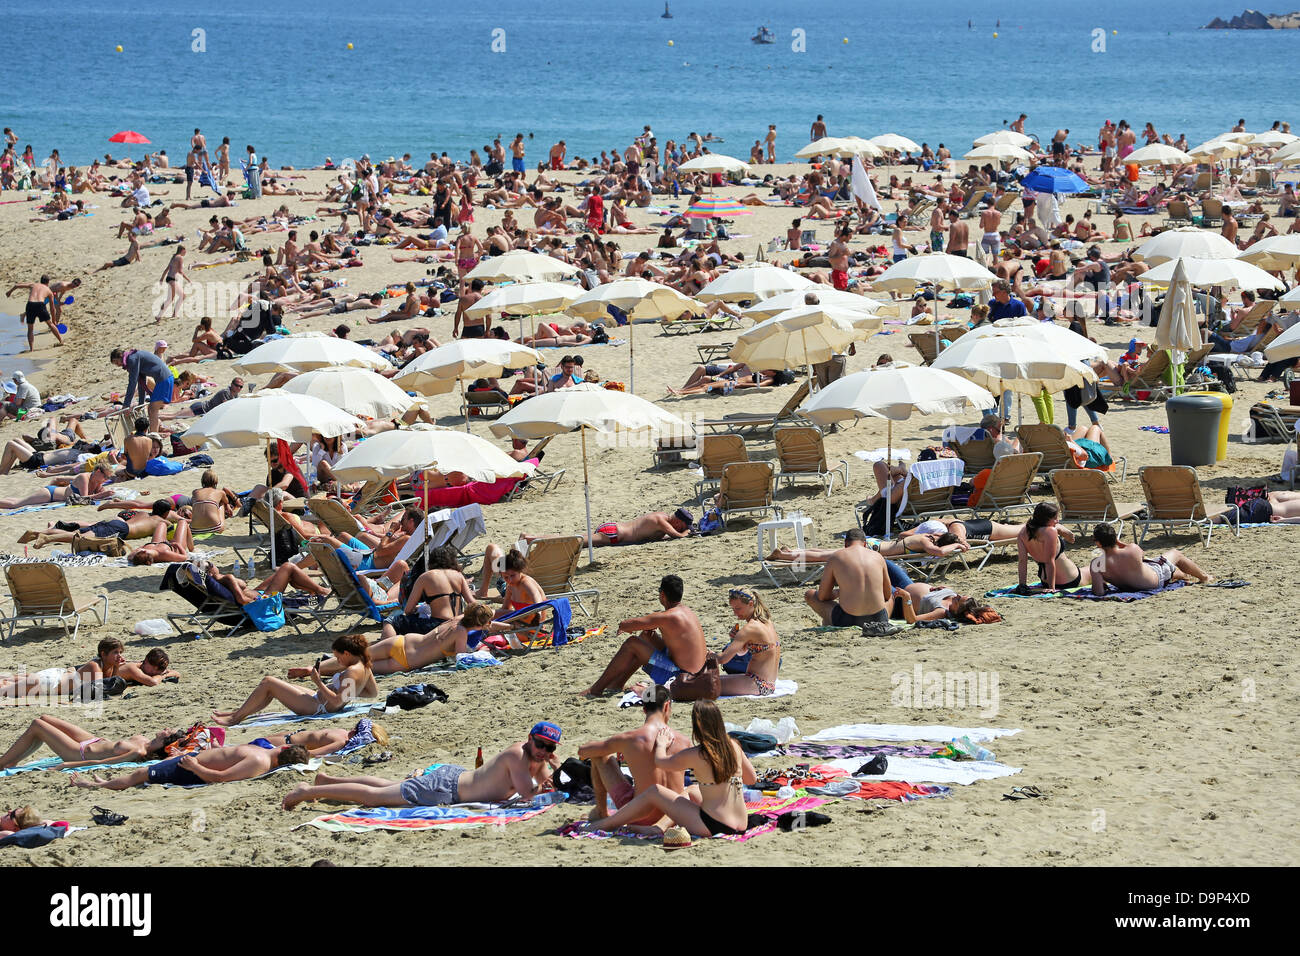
point(1152, 727)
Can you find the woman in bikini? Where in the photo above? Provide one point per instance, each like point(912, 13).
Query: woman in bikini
point(754, 635)
point(86, 487)
point(721, 770)
point(404, 652)
point(468, 251)
point(1043, 539)
point(353, 679)
point(204, 345)
point(926, 602)
point(80, 748)
point(441, 586)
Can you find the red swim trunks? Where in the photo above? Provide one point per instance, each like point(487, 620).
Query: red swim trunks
point(840, 279)
point(610, 531)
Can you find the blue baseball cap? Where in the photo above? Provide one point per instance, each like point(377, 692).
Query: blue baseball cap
point(546, 730)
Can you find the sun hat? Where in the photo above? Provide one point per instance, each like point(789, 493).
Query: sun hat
point(677, 838)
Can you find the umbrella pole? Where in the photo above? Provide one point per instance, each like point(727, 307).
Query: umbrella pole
point(936, 322)
point(586, 495)
point(428, 525)
point(270, 500)
point(803, 337)
point(631, 355)
point(463, 402)
point(889, 479)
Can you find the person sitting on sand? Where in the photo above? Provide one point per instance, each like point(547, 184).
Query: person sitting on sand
point(1043, 539)
point(664, 643)
point(442, 589)
point(636, 748)
point(720, 768)
point(211, 505)
point(132, 255)
point(355, 678)
point(754, 637)
point(521, 770)
point(1126, 567)
point(855, 588)
point(218, 765)
point(79, 748)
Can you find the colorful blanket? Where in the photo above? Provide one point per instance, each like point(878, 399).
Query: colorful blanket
point(1127, 597)
point(1010, 592)
point(457, 817)
point(784, 688)
point(770, 807)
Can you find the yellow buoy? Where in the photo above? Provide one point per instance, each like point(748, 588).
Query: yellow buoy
point(995, 36)
point(349, 46)
point(670, 42)
point(846, 39)
point(119, 49)
point(1114, 33)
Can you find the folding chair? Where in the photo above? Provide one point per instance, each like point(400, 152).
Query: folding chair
point(801, 452)
point(1173, 500)
point(1085, 499)
point(39, 592)
point(1051, 443)
point(757, 421)
point(553, 563)
point(747, 488)
point(716, 452)
point(1007, 488)
point(351, 592)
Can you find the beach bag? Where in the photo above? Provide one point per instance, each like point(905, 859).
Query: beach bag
point(572, 775)
point(1241, 495)
point(598, 335)
point(266, 614)
point(113, 547)
point(704, 684)
point(416, 695)
point(163, 466)
point(873, 520)
point(710, 524)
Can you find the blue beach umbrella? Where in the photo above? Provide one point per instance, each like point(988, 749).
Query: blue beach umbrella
point(1054, 179)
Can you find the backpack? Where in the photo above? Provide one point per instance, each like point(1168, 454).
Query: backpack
point(873, 520)
point(598, 335)
point(416, 695)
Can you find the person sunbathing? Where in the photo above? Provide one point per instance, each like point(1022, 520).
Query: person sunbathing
point(654, 526)
point(522, 770)
point(753, 637)
point(288, 575)
point(354, 679)
point(134, 525)
point(109, 662)
point(79, 748)
point(966, 529)
point(437, 595)
point(720, 768)
point(211, 505)
point(86, 487)
point(518, 589)
point(218, 765)
point(404, 652)
point(927, 602)
point(322, 741)
point(1126, 567)
point(169, 545)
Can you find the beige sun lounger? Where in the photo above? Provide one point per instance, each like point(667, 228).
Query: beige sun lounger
point(1174, 500)
point(39, 592)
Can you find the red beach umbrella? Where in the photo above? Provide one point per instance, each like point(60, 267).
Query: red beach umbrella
point(128, 136)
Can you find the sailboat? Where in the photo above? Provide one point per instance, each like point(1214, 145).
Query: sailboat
point(666, 15)
point(764, 35)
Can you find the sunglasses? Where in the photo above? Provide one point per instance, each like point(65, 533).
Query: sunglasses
point(545, 745)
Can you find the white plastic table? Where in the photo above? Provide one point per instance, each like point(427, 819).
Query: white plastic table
point(768, 530)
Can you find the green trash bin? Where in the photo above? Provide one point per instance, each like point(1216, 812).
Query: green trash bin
point(1221, 452)
point(1193, 429)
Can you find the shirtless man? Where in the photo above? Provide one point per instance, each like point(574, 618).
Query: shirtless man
point(838, 256)
point(938, 215)
point(1126, 567)
point(664, 643)
point(854, 588)
point(958, 235)
point(136, 525)
point(472, 330)
point(636, 748)
point(521, 769)
point(990, 226)
point(770, 141)
point(39, 300)
point(218, 765)
point(654, 526)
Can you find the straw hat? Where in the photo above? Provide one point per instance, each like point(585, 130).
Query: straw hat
point(677, 838)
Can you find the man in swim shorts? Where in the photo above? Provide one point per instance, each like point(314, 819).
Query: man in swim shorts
point(655, 526)
point(141, 364)
point(663, 643)
point(854, 589)
point(636, 748)
point(522, 769)
point(218, 765)
point(39, 297)
point(1126, 567)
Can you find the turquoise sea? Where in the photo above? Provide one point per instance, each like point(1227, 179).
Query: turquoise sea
point(423, 74)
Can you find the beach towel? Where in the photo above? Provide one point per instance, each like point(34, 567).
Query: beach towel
point(934, 770)
point(56, 763)
point(474, 493)
point(459, 816)
point(901, 732)
point(771, 807)
point(857, 751)
point(1010, 592)
point(270, 720)
point(65, 558)
point(937, 473)
point(784, 688)
point(854, 789)
point(1126, 597)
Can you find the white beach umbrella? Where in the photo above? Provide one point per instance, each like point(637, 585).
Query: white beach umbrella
point(937, 269)
point(1233, 136)
point(1185, 242)
point(520, 265)
point(1158, 154)
point(713, 163)
point(1274, 253)
point(525, 298)
point(1005, 360)
point(1177, 328)
point(775, 305)
point(266, 416)
point(1216, 148)
point(999, 152)
point(826, 146)
point(857, 146)
point(1285, 346)
point(438, 371)
point(1272, 139)
point(800, 338)
point(1287, 154)
point(894, 143)
point(753, 282)
point(1204, 273)
point(586, 407)
point(895, 394)
point(1008, 137)
point(1069, 344)
point(308, 350)
point(421, 447)
point(1291, 299)
point(358, 391)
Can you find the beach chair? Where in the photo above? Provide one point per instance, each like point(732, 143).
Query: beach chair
point(924, 342)
point(547, 625)
point(1203, 182)
point(335, 515)
point(351, 596)
point(1180, 213)
point(801, 573)
point(553, 562)
point(1007, 488)
point(1053, 445)
point(1085, 499)
point(674, 449)
point(1250, 322)
point(1006, 201)
point(1150, 378)
point(39, 592)
point(212, 602)
point(485, 403)
point(748, 487)
point(757, 421)
point(921, 214)
point(972, 203)
point(540, 480)
point(716, 452)
point(1173, 500)
point(709, 354)
point(801, 452)
point(1264, 179)
point(976, 453)
point(1211, 212)
point(120, 424)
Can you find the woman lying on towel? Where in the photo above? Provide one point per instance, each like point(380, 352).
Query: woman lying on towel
point(407, 652)
point(353, 678)
point(80, 748)
point(925, 602)
point(716, 803)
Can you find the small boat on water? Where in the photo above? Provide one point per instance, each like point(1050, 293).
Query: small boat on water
point(665, 15)
point(764, 35)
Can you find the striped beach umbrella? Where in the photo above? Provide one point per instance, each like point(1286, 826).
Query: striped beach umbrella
point(707, 207)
